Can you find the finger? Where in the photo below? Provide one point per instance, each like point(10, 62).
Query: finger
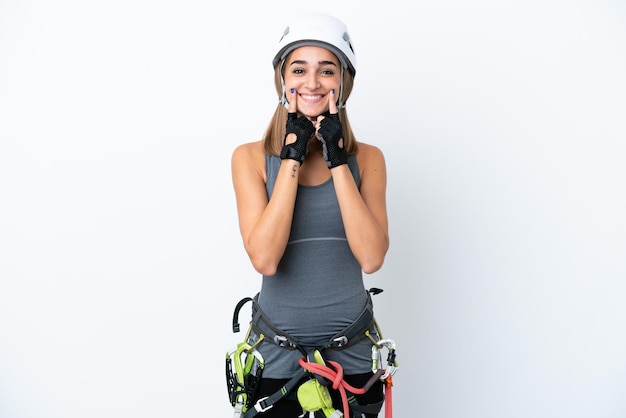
point(318, 124)
point(332, 102)
point(292, 98)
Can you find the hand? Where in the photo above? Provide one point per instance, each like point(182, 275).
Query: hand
point(330, 134)
point(298, 132)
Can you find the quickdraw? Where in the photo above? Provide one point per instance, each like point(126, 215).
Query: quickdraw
point(242, 384)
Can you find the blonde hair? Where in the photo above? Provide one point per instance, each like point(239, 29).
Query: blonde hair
point(275, 133)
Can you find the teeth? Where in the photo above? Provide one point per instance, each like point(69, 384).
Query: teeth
point(311, 97)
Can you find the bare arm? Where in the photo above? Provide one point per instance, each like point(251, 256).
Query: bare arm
point(264, 225)
point(364, 211)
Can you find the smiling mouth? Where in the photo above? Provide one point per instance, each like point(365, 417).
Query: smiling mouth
point(311, 97)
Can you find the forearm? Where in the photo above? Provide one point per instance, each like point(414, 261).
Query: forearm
point(367, 235)
point(268, 238)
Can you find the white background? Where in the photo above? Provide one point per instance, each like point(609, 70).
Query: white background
point(120, 259)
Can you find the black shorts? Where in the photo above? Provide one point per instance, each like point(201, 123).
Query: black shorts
point(289, 407)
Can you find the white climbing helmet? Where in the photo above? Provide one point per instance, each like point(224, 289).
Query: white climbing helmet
point(318, 29)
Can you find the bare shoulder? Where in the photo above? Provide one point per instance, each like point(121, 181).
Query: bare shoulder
point(248, 150)
point(249, 156)
point(249, 153)
point(370, 157)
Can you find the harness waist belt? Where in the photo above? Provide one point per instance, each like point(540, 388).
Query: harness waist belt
point(350, 335)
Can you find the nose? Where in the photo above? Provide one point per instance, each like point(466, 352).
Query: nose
point(312, 81)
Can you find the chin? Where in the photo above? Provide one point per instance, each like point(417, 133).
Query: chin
point(313, 114)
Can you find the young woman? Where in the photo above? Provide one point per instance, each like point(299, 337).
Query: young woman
point(312, 210)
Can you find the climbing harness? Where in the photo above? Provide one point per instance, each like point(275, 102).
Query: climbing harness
point(312, 382)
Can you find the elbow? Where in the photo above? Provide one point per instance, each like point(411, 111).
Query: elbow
point(373, 264)
point(371, 267)
point(266, 270)
point(264, 260)
point(264, 265)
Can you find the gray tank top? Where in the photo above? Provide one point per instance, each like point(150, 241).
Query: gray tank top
point(318, 288)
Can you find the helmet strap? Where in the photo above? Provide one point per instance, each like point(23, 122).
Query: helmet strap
point(283, 97)
point(340, 103)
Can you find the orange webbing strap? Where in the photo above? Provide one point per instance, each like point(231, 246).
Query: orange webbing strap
point(388, 385)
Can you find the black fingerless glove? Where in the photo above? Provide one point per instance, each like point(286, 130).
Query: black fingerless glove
point(329, 133)
point(304, 130)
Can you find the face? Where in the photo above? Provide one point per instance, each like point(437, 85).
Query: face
point(312, 71)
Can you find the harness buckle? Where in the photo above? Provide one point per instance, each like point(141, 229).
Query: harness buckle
point(238, 410)
point(259, 406)
point(282, 341)
point(341, 341)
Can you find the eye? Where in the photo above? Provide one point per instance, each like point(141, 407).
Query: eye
point(328, 71)
point(298, 71)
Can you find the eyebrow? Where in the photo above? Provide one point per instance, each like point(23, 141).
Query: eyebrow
point(304, 62)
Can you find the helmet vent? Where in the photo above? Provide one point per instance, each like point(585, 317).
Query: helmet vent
point(346, 38)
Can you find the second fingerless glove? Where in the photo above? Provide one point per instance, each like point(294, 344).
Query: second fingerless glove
point(330, 133)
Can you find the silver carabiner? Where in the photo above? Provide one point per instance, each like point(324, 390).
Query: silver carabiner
point(377, 360)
